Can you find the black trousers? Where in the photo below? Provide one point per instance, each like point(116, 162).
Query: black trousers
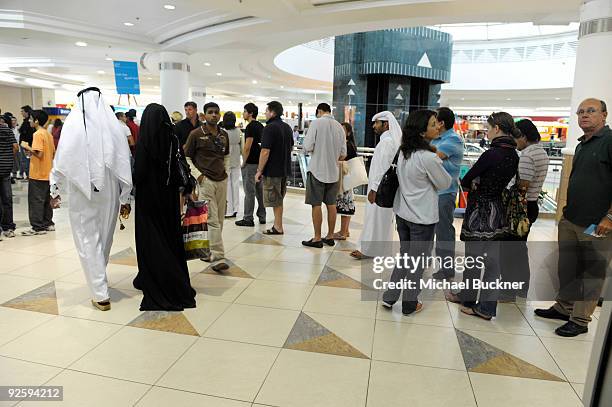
point(39, 205)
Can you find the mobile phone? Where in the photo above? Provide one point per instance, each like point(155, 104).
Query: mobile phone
point(590, 231)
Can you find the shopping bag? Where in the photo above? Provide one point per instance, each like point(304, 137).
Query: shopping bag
point(357, 174)
point(195, 230)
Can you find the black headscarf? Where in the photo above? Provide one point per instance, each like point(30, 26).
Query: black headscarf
point(156, 133)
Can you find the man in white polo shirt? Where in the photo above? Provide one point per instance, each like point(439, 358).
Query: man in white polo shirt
point(326, 143)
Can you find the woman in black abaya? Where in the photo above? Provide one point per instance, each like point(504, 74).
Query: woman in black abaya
point(162, 269)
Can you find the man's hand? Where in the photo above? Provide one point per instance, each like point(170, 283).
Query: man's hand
point(125, 211)
point(258, 176)
point(604, 227)
point(372, 197)
point(55, 202)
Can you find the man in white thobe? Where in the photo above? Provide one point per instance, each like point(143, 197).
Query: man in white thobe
point(378, 222)
point(92, 165)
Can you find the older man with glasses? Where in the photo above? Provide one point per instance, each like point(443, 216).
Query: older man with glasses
point(584, 255)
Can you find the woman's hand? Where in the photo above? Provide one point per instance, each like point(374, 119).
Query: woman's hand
point(188, 197)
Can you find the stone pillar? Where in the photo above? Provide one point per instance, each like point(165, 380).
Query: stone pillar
point(174, 80)
point(592, 76)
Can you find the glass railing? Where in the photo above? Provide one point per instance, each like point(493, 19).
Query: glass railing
point(548, 204)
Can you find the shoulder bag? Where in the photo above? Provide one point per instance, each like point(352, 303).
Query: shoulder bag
point(388, 185)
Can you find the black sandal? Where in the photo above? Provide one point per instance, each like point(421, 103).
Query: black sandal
point(272, 231)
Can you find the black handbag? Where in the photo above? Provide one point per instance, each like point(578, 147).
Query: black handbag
point(181, 171)
point(388, 186)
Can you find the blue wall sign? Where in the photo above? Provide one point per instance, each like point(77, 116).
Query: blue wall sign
point(126, 78)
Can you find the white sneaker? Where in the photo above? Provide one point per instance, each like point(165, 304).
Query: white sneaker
point(32, 232)
point(51, 228)
point(9, 233)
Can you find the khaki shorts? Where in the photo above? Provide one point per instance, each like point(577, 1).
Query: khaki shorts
point(318, 192)
point(274, 190)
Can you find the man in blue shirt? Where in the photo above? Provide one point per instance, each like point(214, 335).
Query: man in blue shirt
point(450, 150)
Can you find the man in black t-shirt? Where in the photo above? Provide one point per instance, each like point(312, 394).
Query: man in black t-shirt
point(191, 122)
point(250, 160)
point(275, 163)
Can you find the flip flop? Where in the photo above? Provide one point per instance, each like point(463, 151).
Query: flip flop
point(356, 254)
point(272, 231)
point(339, 236)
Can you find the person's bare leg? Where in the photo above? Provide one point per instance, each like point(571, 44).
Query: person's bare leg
point(345, 221)
point(331, 221)
point(317, 221)
point(278, 218)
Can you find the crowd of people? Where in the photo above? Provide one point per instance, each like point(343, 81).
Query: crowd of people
point(105, 159)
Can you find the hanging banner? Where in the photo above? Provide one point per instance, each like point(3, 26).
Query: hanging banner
point(126, 78)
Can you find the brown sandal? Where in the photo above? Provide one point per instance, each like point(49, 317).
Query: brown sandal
point(356, 254)
point(338, 236)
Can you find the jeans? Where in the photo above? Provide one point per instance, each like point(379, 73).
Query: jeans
point(252, 190)
point(6, 204)
point(515, 258)
point(39, 205)
point(415, 241)
point(489, 251)
point(25, 162)
point(445, 230)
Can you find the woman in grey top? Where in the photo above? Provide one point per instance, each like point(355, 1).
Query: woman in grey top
point(421, 175)
point(533, 166)
point(233, 166)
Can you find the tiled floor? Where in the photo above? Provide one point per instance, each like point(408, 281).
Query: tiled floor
point(286, 326)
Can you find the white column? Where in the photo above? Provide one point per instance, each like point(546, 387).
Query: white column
point(174, 80)
point(592, 76)
point(198, 94)
point(593, 62)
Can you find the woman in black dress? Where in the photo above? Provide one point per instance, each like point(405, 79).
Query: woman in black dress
point(484, 224)
point(162, 276)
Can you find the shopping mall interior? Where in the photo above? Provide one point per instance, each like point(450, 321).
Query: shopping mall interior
point(285, 322)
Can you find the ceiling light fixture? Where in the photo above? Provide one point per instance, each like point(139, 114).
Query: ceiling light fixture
point(128, 24)
point(169, 7)
point(219, 74)
point(33, 70)
point(557, 98)
point(282, 87)
point(101, 72)
point(254, 82)
point(206, 63)
point(108, 59)
point(80, 44)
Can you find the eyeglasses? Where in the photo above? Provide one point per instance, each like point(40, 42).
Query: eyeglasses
point(589, 111)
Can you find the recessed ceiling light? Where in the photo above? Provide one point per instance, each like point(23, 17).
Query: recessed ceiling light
point(169, 7)
point(219, 74)
point(155, 87)
point(101, 72)
point(108, 59)
point(34, 70)
point(462, 98)
point(206, 63)
point(128, 24)
point(282, 87)
point(557, 98)
point(149, 78)
point(80, 44)
point(508, 99)
point(254, 82)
